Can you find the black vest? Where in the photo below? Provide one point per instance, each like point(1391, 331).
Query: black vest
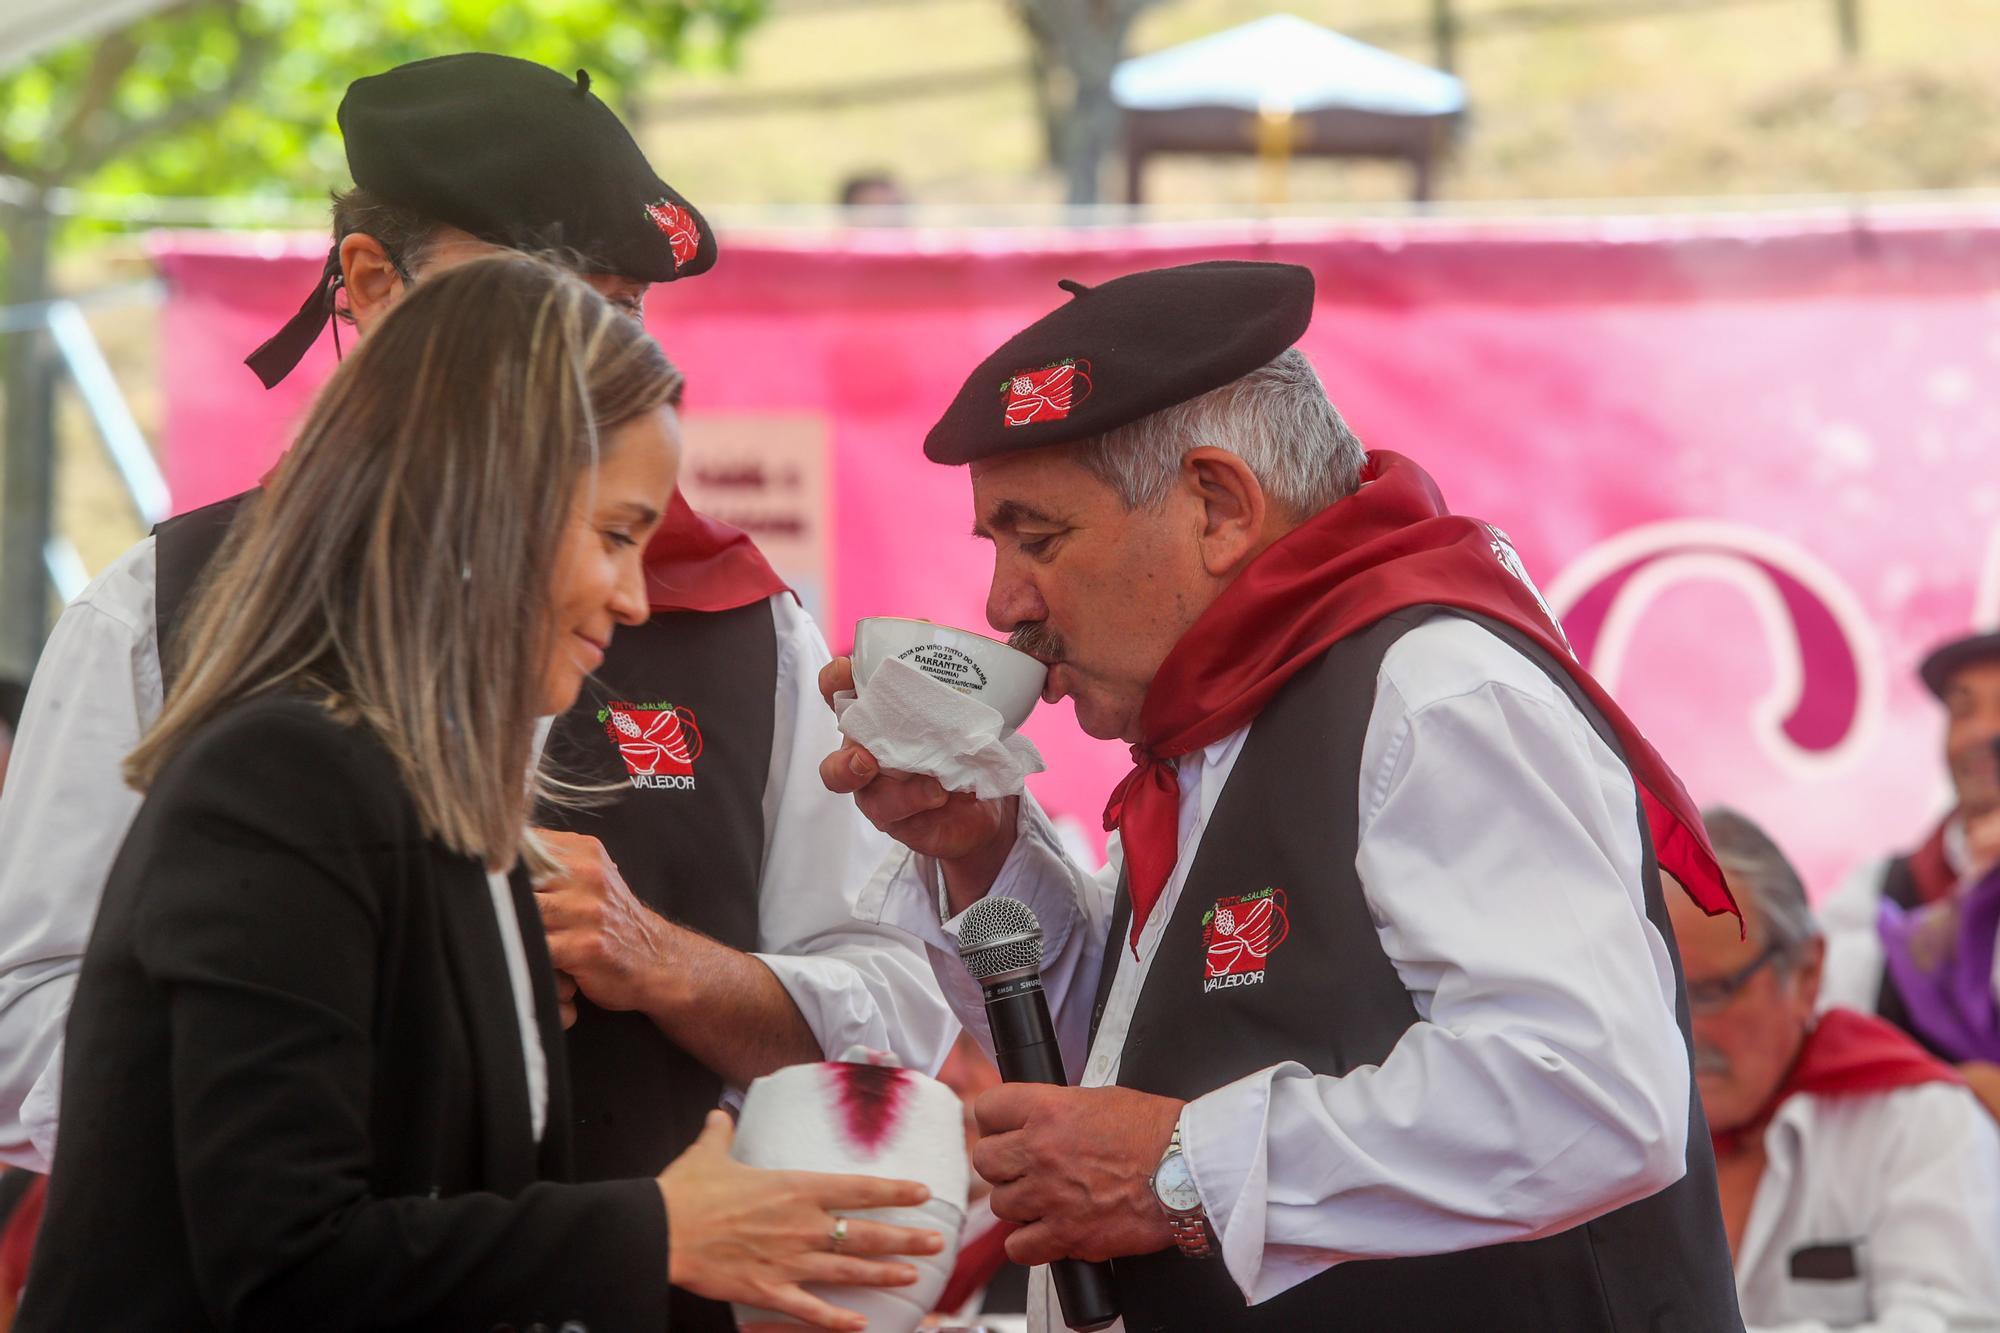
point(690, 844)
point(1327, 996)
point(182, 549)
point(687, 834)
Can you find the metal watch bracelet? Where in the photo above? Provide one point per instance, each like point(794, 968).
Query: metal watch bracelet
point(1189, 1229)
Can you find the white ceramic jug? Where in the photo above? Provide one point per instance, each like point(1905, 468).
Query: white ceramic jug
point(859, 1118)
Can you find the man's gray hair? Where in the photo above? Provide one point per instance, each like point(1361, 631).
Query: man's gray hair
point(1757, 869)
point(1276, 419)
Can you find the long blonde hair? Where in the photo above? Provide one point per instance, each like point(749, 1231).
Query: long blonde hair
point(398, 564)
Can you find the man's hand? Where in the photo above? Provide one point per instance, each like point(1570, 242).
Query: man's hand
point(725, 1008)
point(566, 999)
point(1075, 1166)
point(970, 836)
point(611, 946)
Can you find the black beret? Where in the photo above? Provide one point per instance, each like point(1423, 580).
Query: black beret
point(1947, 658)
point(521, 156)
point(516, 154)
point(1121, 351)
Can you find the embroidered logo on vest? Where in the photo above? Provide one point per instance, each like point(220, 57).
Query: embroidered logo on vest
point(658, 742)
point(1239, 934)
point(1046, 394)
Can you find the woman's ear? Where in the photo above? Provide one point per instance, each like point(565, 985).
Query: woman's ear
point(372, 280)
point(1233, 508)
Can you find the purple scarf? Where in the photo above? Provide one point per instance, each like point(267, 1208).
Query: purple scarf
point(1947, 985)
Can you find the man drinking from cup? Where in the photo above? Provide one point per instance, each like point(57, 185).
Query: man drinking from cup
point(1376, 1010)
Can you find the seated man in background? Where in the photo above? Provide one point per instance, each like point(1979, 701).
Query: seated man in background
point(1912, 937)
point(1860, 1180)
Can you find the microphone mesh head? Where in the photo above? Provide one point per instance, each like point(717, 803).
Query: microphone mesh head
point(999, 935)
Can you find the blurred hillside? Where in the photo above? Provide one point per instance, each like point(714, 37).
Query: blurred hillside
point(1703, 97)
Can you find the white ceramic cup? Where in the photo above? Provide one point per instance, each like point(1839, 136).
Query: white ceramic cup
point(1003, 678)
point(870, 1120)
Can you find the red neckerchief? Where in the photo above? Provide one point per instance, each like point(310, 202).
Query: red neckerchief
point(17, 1239)
point(1846, 1052)
point(1935, 879)
point(695, 563)
point(1390, 545)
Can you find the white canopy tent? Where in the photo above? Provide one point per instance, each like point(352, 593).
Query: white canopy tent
point(1282, 62)
point(1280, 86)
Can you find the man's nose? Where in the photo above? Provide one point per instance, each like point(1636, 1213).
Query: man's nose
point(1705, 1025)
point(1012, 600)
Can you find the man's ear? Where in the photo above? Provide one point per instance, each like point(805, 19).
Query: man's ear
point(1808, 970)
point(1233, 508)
point(371, 278)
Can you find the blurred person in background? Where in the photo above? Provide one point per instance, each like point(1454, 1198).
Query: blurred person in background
point(1912, 937)
point(1860, 1179)
point(316, 1075)
point(877, 194)
point(703, 920)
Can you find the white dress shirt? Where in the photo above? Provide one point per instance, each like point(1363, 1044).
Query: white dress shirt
point(65, 810)
point(1910, 1178)
point(1499, 852)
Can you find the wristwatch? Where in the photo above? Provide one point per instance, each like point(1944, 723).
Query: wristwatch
point(1173, 1186)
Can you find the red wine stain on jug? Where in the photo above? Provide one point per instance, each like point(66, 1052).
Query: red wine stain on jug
point(871, 1101)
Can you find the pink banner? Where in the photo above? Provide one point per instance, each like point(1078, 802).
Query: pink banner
point(1752, 461)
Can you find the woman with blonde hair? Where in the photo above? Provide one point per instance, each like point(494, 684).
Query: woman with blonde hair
point(314, 1068)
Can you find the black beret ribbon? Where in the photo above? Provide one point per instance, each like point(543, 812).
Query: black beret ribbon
point(276, 357)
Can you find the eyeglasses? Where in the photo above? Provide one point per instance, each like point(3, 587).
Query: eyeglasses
point(1713, 993)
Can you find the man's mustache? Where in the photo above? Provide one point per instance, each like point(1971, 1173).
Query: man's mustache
point(1710, 1060)
point(1036, 639)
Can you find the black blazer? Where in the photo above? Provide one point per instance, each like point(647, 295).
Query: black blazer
point(293, 1091)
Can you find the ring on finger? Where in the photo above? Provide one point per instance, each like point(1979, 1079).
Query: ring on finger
point(838, 1235)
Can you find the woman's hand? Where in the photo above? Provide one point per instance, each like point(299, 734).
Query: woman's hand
point(736, 1233)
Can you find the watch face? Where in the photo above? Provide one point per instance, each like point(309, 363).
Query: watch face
point(1174, 1185)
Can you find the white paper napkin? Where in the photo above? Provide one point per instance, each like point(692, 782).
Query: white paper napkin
point(913, 724)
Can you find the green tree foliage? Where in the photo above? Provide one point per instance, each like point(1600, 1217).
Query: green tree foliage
point(237, 98)
point(221, 97)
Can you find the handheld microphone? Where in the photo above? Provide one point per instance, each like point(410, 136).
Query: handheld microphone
point(1000, 942)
